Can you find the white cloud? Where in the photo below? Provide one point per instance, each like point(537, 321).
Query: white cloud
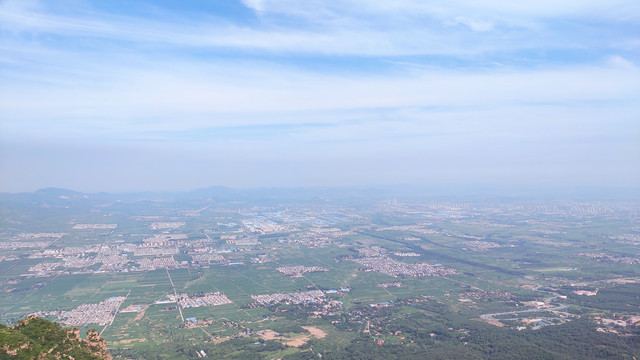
point(354, 27)
point(542, 8)
point(204, 86)
point(473, 24)
point(617, 61)
point(257, 5)
point(508, 12)
point(114, 96)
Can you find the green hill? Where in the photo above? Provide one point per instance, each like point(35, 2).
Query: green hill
point(36, 338)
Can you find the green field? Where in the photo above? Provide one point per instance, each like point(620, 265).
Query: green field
point(505, 260)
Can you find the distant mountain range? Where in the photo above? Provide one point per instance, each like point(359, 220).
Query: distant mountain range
point(270, 196)
point(259, 196)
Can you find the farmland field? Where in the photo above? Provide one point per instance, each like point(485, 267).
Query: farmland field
point(288, 280)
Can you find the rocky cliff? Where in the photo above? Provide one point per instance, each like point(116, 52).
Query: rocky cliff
point(36, 338)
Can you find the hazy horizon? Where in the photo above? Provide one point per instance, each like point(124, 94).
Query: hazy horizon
point(371, 193)
point(126, 96)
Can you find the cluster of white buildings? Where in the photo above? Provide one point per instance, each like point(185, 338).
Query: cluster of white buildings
point(95, 226)
point(612, 258)
point(292, 297)
point(631, 239)
point(263, 226)
point(373, 251)
point(14, 245)
point(163, 240)
point(479, 245)
point(101, 314)
point(391, 285)
point(406, 254)
point(154, 251)
point(207, 258)
point(44, 267)
point(208, 299)
point(395, 268)
point(157, 263)
point(316, 237)
point(298, 270)
point(167, 225)
point(112, 262)
point(40, 235)
point(109, 262)
point(244, 240)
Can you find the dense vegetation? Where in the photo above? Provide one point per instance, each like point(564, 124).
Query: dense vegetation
point(482, 341)
point(36, 338)
point(621, 298)
point(438, 335)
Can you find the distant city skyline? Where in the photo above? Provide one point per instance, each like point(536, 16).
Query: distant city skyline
point(168, 95)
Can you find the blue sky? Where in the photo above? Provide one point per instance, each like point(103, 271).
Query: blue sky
point(174, 95)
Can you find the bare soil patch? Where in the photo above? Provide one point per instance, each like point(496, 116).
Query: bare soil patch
point(297, 342)
point(495, 323)
point(141, 313)
point(318, 333)
point(269, 334)
point(129, 341)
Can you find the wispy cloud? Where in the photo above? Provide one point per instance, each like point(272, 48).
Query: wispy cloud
point(337, 28)
point(451, 86)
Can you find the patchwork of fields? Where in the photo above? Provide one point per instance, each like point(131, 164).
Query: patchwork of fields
point(326, 275)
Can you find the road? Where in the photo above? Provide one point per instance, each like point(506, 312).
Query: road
point(442, 256)
point(175, 293)
point(116, 314)
point(547, 301)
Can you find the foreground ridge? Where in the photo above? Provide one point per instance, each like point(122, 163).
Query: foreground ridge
point(37, 338)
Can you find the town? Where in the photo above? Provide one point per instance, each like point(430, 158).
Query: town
point(223, 272)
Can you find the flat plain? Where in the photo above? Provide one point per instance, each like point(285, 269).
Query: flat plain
point(421, 275)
